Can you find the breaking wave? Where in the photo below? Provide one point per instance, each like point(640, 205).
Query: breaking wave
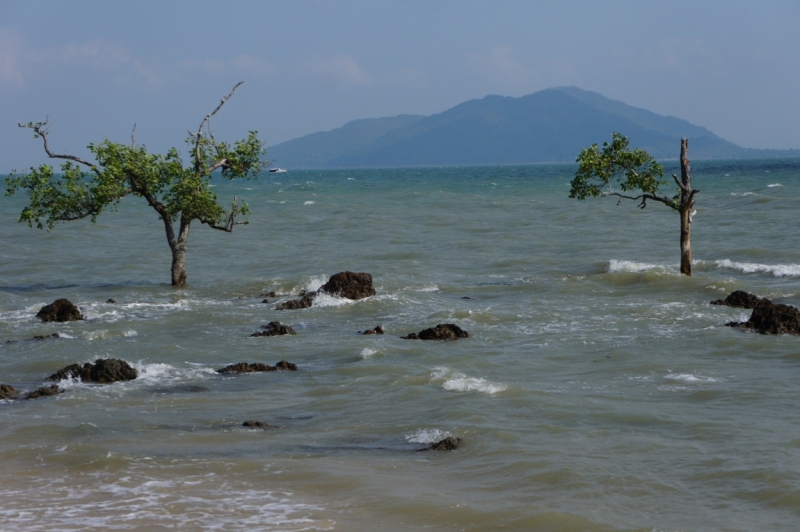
point(778, 270)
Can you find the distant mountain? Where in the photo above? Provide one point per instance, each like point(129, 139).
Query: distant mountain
point(552, 125)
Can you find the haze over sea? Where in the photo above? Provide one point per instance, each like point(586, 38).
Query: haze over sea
point(598, 389)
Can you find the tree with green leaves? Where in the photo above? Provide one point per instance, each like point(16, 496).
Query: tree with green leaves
point(638, 176)
point(179, 194)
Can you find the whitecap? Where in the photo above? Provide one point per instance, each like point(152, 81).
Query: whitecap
point(427, 436)
point(326, 300)
point(367, 353)
point(160, 372)
point(778, 270)
point(429, 288)
point(309, 203)
point(130, 333)
point(628, 266)
point(458, 382)
point(688, 377)
point(774, 185)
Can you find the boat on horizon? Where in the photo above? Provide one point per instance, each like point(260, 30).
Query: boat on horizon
point(277, 170)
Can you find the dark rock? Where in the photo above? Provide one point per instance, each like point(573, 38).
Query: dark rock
point(244, 367)
point(293, 304)
point(275, 328)
point(465, 297)
point(376, 330)
point(60, 310)
point(283, 364)
point(738, 299)
point(110, 301)
point(257, 424)
point(443, 331)
point(268, 294)
point(46, 337)
point(450, 443)
point(45, 391)
point(104, 371)
point(265, 301)
point(182, 388)
point(350, 285)
point(771, 318)
point(7, 392)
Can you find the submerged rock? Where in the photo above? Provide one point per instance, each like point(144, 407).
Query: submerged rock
point(450, 443)
point(350, 285)
point(244, 367)
point(104, 371)
point(111, 301)
point(275, 328)
point(738, 299)
point(293, 304)
point(268, 294)
point(41, 337)
point(443, 331)
point(7, 392)
point(45, 391)
point(376, 330)
point(258, 425)
point(60, 310)
point(771, 318)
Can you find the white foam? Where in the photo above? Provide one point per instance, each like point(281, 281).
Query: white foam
point(774, 185)
point(458, 382)
point(326, 300)
point(367, 353)
point(429, 288)
point(159, 372)
point(313, 284)
point(629, 266)
point(778, 270)
point(743, 194)
point(688, 377)
point(427, 436)
point(309, 203)
point(130, 333)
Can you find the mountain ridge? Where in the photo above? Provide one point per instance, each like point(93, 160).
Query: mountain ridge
point(549, 126)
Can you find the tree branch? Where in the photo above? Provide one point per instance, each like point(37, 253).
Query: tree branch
point(133, 136)
point(680, 185)
point(217, 165)
point(199, 133)
point(643, 197)
point(228, 227)
point(39, 130)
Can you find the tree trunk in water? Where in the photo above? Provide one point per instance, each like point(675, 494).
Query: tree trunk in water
point(686, 245)
point(179, 266)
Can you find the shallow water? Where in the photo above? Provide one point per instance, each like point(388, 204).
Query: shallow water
point(598, 389)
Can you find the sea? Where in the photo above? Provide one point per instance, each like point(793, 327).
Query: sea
point(598, 389)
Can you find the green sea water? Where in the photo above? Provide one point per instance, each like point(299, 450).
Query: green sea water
point(598, 390)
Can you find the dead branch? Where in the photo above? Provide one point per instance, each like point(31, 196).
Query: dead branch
point(133, 136)
point(680, 185)
point(199, 133)
point(228, 227)
point(39, 128)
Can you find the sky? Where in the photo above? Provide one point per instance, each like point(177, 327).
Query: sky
point(96, 68)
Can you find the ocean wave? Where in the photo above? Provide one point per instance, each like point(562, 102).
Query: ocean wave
point(427, 436)
point(628, 266)
point(688, 377)
point(778, 270)
point(774, 185)
point(429, 288)
point(159, 372)
point(743, 194)
point(325, 300)
point(309, 203)
point(458, 382)
point(367, 353)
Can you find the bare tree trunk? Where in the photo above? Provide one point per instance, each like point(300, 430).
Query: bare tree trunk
point(685, 210)
point(686, 245)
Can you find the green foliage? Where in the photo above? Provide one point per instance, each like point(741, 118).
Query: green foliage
point(633, 170)
point(82, 191)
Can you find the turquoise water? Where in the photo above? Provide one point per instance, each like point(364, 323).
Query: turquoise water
point(598, 389)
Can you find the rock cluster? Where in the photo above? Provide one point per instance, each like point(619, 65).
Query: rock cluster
point(349, 285)
point(376, 330)
point(771, 318)
point(274, 328)
point(443, 331)
point(60, 310)
point(255, 367)
point(450, 443)
point(7, 392)
point(257, 425)
point(45, 391)
point(104, 371)
point(739, 299)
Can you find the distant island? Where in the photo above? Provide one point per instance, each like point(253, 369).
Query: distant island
point(552, 125)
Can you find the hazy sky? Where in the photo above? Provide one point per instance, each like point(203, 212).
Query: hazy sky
point(96, 68)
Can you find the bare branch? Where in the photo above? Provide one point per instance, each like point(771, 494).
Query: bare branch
point(217, 165)
point(40, 130)
point(133, 136)
point(228, 227)
point(643, 197)
point(199, 133)
point(680, 185)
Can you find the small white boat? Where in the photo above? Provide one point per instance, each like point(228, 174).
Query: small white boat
point(277, 170)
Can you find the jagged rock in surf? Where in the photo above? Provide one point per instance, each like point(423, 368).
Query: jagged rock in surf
point(771, 318)
point(41, 337)
point(376, 330)
point(293, 304)
point(739, 299)
point(350, 285)
point(45, 391)
point(244, 367)
point(111, 301)
point(103, 371)
point(60, 310)
point(7, 392)
point(450, 443)
point(443, 331)
point(258, 425)
point(275, 328)
point(268, 294)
